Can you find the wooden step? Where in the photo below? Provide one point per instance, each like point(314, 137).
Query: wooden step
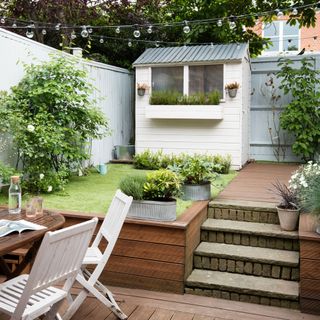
point(271, 263)
point(245, 288)
point(249, 234)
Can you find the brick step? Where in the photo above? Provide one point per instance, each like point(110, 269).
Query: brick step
point(271, 263)
point(243, 211)
point(239, 287)
point(249, 234)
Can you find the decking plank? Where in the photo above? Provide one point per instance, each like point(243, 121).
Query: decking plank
point(162, 314)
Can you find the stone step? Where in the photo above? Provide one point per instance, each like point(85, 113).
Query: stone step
point(243, 211)
point(239, 287)
point(271, 263)
point(249, 234)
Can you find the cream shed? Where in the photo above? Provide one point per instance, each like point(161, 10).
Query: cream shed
point(213, 129)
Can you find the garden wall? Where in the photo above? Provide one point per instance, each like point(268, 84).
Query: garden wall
point(114, 85)
point(262, 144)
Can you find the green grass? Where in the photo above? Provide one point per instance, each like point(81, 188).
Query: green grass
point(93, 193)
point(221, 182)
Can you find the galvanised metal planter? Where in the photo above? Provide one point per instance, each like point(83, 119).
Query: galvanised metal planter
point(196, 191)
point(153, 210)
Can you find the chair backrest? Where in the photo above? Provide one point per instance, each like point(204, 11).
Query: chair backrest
point(111, 227)
point(59, 258)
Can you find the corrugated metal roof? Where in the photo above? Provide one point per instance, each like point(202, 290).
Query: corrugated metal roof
point(187, 54)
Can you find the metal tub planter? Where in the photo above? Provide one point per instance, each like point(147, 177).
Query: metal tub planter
point(196, 191)
point(153, 210)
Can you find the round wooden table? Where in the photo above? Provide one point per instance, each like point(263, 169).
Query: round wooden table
point(50, 220)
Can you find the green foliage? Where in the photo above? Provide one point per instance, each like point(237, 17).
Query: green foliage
point(156, 160)
point(161, 185)
point(176, 98)
point(288, 197)
point(133, 185)
point(51, 118)
point(301, 116)
point(6, 172)
point(195, 170)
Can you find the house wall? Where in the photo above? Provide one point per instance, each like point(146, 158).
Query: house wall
point(194, 136)
point(114, 89)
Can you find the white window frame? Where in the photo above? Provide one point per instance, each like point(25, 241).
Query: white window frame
point(186, 77)
point(281, 39)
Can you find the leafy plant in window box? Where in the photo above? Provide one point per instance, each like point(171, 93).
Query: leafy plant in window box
point(142, 87)
point(232, 89)
point(153, 195)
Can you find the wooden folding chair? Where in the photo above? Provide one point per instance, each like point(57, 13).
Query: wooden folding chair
point(59, 259)
point(109, 230)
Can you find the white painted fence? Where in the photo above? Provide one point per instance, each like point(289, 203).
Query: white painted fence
point(115, 89)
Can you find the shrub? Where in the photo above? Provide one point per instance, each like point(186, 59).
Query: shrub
point(195, 170)
point(133, 185)
point(6, 172)
point(301, 116)
point(305, 182)
point(51, 117)
point(161, 185)
point(176, 98)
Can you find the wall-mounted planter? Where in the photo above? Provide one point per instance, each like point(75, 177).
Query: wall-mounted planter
point(184, 112)
point(232, 93)
point(141, 92)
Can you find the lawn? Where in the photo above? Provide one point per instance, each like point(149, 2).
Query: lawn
point(93, 193)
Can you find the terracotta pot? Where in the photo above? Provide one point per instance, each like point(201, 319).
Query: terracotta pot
point(288, 218)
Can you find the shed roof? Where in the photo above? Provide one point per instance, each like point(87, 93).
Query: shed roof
point(186, 54)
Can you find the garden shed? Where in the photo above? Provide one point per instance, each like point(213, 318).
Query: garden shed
point(204, 128)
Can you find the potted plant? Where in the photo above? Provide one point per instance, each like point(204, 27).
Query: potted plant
point(306, 183)
point(288, 208)
point(142, 87)
point(153, 195)
point(196, 173)
point(232, 89)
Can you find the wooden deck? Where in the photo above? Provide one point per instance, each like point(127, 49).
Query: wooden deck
point(147, 305)
point(254, 181)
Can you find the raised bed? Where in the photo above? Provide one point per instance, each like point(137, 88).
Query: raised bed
point(153, 255)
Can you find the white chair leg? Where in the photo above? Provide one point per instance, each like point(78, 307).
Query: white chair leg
point(75, 305)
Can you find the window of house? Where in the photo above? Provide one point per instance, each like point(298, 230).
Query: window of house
point(206, 79)
point(167, 79)
point(283, 36)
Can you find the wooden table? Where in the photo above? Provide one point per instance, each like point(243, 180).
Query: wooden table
point(10, 242)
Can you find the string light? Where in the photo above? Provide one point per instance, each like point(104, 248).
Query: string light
point(14, 25)
point(294, 11)
point(101, 40)
point(232, 22)
point(90, 30)
point(129, 43)
point(57, 27)
point(219, 23)
point(279, 13)
point(244, 29)
point(157, 44)
point(3, 20)
point(149, 30)
point(29, 33)
point(73, 35)
point(186, 28)
point(44, 31)
point(118, 30)
point(136, 33)
point(84, 32)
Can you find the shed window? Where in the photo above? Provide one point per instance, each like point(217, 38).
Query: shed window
point(167, 79)
point(205, 79)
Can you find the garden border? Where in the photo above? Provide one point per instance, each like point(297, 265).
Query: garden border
point(152, 255)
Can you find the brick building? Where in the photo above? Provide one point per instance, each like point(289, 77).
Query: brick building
point(290, 39)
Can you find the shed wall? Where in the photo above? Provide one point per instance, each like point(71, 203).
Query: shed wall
point(192, 136)
point(114, 89)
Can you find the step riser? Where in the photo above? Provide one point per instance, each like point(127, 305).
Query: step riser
point(243, 215)
point(234, 296)
point(246, 267)
point(249, 240)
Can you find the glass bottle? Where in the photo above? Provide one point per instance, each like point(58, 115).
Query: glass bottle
point(15, 196)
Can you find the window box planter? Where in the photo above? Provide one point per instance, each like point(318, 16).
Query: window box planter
point(184, 112)
point(153, 210)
